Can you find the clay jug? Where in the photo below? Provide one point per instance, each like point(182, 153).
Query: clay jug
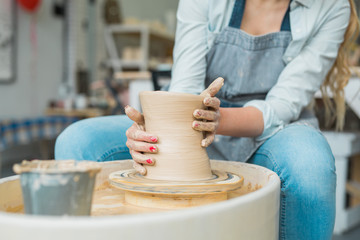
point(180, 155)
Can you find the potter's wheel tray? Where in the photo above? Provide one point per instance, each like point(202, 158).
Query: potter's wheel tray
point(145, 192)
point(132, 181)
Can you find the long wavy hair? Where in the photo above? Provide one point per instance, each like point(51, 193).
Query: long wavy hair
point(339, 75)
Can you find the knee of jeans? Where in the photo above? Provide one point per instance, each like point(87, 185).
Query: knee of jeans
point(72, 141)
point(300, 152)
point(309, 159)
point(318, 181)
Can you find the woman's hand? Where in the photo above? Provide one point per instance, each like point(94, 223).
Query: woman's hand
point(139, 141)
point(211, 115)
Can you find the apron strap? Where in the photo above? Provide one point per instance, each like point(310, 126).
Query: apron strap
point(238, 13)
point(285, 25)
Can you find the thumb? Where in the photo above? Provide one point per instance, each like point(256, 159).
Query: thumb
point(134, 115)
point(213, 88)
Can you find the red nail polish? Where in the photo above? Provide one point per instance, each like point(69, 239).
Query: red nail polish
point(152, 149)
point(196, 124)
point(149, 161)
point(154, 139)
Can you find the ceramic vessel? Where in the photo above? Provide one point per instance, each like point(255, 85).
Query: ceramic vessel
point(180, 156)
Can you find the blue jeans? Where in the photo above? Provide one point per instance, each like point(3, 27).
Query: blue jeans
point(299, 154)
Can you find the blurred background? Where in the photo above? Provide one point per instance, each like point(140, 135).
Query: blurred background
point(64, 60)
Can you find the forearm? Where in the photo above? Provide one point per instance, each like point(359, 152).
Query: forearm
point(240, 122)
point(189, 68)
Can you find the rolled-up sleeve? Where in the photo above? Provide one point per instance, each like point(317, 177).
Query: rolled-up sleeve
point(303, 76)
point(190, 47)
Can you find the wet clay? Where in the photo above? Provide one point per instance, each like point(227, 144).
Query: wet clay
point(52, 166)
point(180, 156)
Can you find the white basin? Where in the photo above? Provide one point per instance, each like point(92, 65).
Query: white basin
point(250, 213)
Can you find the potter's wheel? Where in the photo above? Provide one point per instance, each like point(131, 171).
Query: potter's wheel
point(251, 212)
point(145, 192)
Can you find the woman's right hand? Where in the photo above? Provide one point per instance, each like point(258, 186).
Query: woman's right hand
point(139, 141)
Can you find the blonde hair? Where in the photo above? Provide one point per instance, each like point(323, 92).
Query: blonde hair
point(339, 75)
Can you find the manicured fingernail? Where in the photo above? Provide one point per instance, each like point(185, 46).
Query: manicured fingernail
point(152, 149)
point(198, 113)
point(196, 125)
point(149, 161)
point(154, 139)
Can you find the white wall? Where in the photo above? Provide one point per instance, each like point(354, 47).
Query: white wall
point(33, 87)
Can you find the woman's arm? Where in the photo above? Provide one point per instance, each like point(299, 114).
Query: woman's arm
point(188, 72)
point(244, 122)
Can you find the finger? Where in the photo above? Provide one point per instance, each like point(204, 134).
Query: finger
point(204, 126)
point(212, 102)
point(139, 168)
point(141, 158)
point(213, 88)
point(141, 146)
point(208, 140)
point(134, 115)
point(140, 135)
point(205, 115)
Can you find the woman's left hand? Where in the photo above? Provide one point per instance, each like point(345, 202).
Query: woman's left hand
point(211, 115)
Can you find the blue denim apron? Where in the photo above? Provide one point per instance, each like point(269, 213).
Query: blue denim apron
point(251, 66)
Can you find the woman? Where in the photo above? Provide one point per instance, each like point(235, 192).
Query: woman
point(274, 55)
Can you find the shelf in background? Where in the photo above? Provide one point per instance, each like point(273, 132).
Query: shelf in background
point(81, 113)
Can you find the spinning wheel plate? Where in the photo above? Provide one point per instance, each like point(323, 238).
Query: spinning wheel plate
point(220, 182)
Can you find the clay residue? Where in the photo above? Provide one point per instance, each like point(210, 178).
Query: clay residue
point(250, 188)
point(15, 209)
point(245, 189)
point(52, 166)
point(109, 201)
